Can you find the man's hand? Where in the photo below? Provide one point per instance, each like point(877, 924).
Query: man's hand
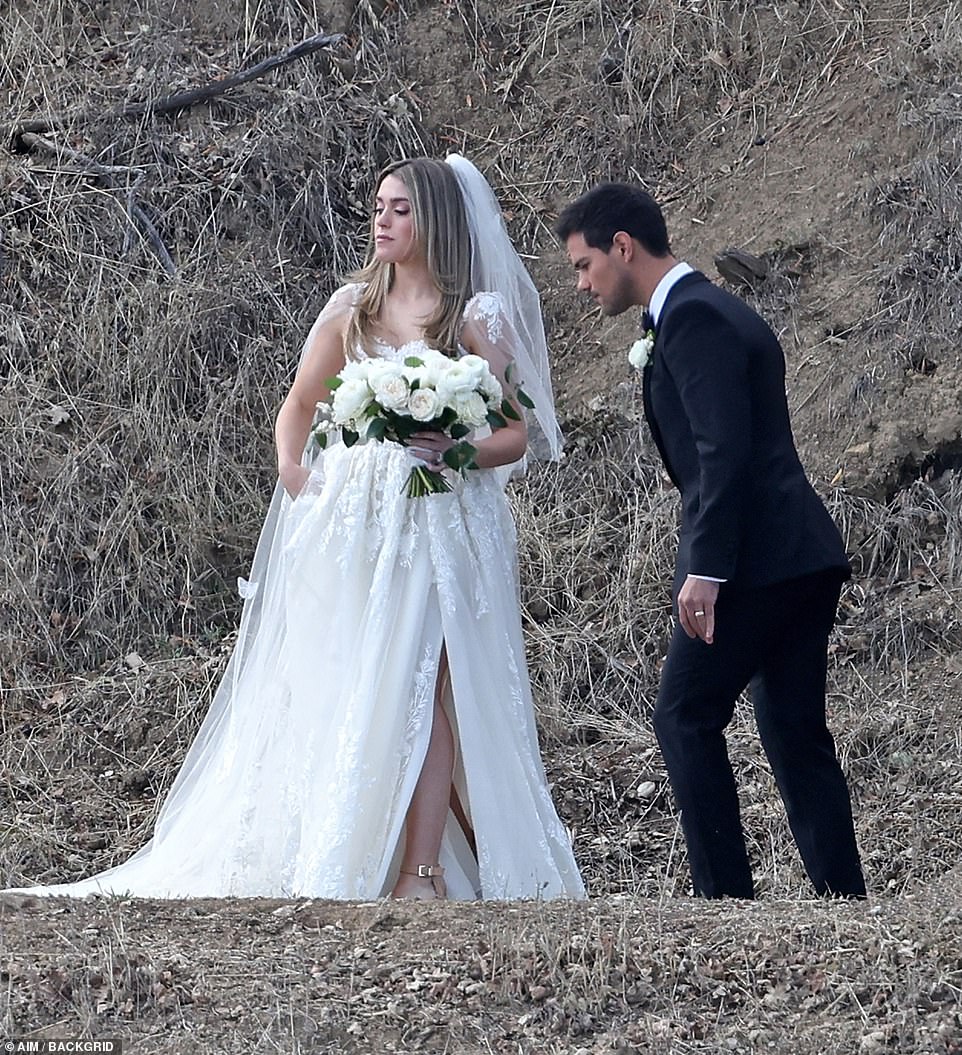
point(696, 608)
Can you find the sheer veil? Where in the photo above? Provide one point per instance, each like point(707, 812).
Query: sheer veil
point(497, 268)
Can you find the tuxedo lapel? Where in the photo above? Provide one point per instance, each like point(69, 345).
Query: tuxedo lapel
point(651, 418)
point(652, 375)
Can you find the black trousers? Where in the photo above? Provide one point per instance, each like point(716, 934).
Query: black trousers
point(773, 639)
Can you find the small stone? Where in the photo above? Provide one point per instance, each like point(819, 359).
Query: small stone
point(92, 841)
point(872, 1043)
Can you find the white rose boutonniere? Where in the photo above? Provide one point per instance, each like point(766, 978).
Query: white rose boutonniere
point(639, 355)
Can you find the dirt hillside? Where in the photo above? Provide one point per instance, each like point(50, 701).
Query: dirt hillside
point(158, 271)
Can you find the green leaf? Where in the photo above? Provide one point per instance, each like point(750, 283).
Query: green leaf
point(524, 399)
point(464, 455)
point(320, 438)
point(496, 420)
point(451, 459)
point(413, 360)
point(333, 383)
point(459, 431)
point(508, 411)
point(377, 429)
point(349, 437)
point(509, 369)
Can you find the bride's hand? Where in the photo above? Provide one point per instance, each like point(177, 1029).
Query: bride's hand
point(429, 448)
point(293, 477)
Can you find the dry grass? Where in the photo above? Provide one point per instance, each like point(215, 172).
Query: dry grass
point(136, 415)
point(915, 331)
point(532, 980)
point(638, 94)
point(137, 409)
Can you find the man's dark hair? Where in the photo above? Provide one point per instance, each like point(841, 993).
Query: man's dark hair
point(611, 207)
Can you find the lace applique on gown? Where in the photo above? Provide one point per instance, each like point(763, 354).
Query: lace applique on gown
point(300, 777)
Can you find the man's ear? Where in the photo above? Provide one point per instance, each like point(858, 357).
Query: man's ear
point(624, 245)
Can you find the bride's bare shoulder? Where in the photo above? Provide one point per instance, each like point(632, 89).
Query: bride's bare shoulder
point(344, 299)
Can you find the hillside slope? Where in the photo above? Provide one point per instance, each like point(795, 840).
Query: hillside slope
point(157, 274)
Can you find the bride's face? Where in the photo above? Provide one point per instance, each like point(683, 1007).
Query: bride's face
point(394, 240)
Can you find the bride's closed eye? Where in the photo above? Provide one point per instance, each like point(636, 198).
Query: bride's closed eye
point(399, 210)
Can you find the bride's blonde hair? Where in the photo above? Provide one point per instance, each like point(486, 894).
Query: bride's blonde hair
point(441, 230)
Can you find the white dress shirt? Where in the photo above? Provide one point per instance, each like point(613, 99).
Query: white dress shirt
point(663, 288)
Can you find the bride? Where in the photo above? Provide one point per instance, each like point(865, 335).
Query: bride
point(374, 732)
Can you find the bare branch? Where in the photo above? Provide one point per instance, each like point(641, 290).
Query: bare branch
point(179, 100)
point(134, 211)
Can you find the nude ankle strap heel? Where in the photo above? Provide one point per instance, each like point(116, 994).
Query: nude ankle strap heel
point(433, 872)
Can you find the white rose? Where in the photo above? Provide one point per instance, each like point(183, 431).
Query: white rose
point(431, 364)
point(355, 370)
point(435, 363)
point(424, 405)
point(351, 399)
point(457, 380)
point(390, 387)
point(418, 375)
point(471, 409)
point(475, 365)
point(379, 369)
point(393, 394)
point(640, 352)
point(491, 387)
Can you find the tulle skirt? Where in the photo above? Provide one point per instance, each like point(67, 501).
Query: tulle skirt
point(300, 777)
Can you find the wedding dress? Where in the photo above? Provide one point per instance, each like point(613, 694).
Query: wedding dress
point(300, 777)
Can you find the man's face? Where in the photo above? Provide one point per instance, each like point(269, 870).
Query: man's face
point(606, 276)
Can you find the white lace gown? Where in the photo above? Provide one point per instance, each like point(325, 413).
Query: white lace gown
point(302, 772)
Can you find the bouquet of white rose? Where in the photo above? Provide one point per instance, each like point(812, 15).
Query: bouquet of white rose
point(383, 400)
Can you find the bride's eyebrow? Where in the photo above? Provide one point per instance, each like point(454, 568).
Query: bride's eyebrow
point(392, 201)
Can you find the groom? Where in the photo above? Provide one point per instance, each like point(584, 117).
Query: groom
point(759, 565)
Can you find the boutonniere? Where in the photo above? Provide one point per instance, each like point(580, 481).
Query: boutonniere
point(639, 354)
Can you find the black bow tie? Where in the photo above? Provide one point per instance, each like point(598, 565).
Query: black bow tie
point(647, 322)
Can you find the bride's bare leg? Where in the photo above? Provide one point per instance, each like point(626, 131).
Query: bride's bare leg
point(430, 802)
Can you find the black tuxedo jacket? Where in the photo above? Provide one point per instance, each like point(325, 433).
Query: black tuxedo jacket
point(715, 401)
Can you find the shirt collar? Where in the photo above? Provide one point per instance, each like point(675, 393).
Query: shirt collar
point(663, 288)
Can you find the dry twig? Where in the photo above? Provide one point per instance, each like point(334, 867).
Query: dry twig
point(181, 100)
point(135, 213)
